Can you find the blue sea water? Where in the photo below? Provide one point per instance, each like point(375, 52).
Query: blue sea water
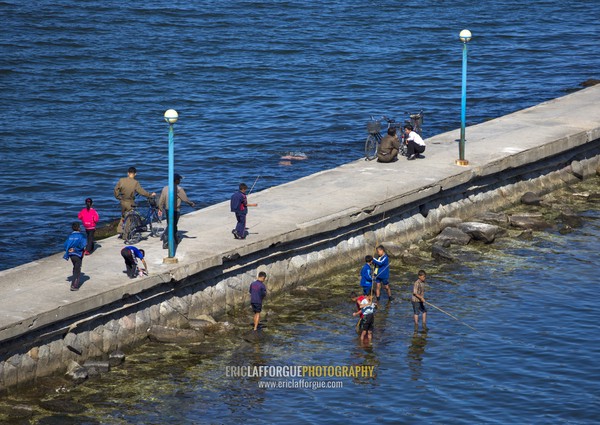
point(84, 85)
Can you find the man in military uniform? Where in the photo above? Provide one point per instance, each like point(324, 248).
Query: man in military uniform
point(125, 191)
point(389, 147)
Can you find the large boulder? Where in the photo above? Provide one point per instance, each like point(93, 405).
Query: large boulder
point(439, 252)
point(452, 235)
point(480, 231)
point(530, 198)
point(166, 334)
point(201, 322)
point(528, 221)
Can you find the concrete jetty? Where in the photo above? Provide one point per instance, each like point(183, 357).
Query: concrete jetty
point(299, 230)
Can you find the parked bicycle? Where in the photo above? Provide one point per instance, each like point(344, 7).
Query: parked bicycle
point(374, 130)
point(135, 223)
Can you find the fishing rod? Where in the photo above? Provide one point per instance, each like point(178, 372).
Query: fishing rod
point(250, 191)
point(448, 314)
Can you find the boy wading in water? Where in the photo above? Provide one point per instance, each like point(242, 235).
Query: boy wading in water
point(366, 276)
point(367, 323)
point(258, 291)
point(239, 206)
point(382, 273)
point(418, 300)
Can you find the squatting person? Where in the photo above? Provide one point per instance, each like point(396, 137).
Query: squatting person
point(415, 145)
point(131, 255)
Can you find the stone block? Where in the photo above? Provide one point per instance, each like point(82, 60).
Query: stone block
point(480, 231)
point(449, 222)
point(440, 253)
point(72, 343)
point(174, 335)
point(76, 372)
point(116, 358)
point(530, 198)
point(454, 236)
point(96, 367)
point(528, 221)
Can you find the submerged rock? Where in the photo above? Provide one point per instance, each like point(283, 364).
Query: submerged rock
point(530, 198)
point(454, 236)
point(571, 219)
point(480, 231)
point(527, 235)
point(441, 253)
point(201, 322)
point(116, 358)
point(528, 221)
point(174, 335)
point(76, 372)
point(96, 367)
point(499, 219)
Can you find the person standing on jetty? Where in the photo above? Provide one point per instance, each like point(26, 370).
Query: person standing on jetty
point(418, 300)
point(89, 217)
point(382, 272)
point(389, 147)
point(131, 255)
point(239, 206)
point(125, 191)
point(258, 292)
point(74, 248)
point(366, 276)
point(415, 145)
point(163, 204)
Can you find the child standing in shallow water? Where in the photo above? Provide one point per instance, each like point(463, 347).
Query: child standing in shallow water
point(89, 217)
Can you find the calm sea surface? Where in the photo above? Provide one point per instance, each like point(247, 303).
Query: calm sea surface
point(84, 85)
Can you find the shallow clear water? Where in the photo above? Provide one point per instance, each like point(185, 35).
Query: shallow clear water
point(532, 358)
point(83, 86)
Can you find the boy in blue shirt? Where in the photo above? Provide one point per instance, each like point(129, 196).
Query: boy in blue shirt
point(74, 248)
point(366, 276)
point(131, 254)
point(382, 272)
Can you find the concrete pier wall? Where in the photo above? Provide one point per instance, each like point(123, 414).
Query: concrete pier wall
point(343, 212)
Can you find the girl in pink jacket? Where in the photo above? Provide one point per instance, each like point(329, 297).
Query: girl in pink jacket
point(89, 217)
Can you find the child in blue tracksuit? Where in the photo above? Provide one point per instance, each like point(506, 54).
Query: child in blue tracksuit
point(239, 206)
point(382, 272)
point(366, 276)
point(74, 248)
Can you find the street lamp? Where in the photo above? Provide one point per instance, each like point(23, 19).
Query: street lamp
point(465, 36)
point(171, 118)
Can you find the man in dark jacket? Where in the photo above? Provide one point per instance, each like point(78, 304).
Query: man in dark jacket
point(163, 205)
point(389, 147)
point(258, 291)
point(239, 206)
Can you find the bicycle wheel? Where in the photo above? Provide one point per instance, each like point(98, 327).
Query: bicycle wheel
point(371, 147)
point(157, 226)
point(131, 229)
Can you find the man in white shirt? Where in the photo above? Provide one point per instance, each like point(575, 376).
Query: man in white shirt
point(414, 142)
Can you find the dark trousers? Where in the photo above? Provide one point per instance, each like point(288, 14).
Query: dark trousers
point(130, 263)
point(77, 261)
point(414, 148)
point(240, 228)
point(165, 237)
point(90, 239)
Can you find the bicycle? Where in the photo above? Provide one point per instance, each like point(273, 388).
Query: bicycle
point(374, 130)
point(135, 223)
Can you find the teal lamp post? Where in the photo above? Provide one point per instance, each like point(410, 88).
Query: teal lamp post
point(465, 36)
point(171, 118)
